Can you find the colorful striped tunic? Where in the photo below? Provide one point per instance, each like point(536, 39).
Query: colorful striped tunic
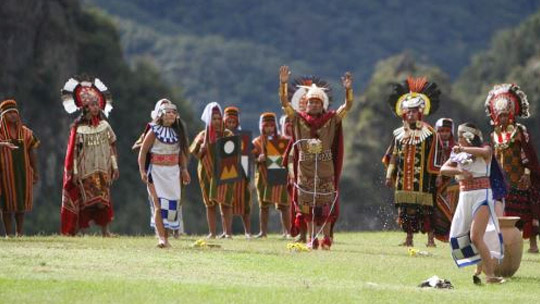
point(212, 193)
point(273, 194)
point(17, 175)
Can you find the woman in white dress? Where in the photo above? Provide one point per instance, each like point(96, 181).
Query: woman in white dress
point(166, 146)
point(475, 237)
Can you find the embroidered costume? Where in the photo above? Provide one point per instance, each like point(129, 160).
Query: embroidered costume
point(168, 136)
point(164, 174)
point(90, 156)
point(318, 153)
point(410, 157)
point(515, 153)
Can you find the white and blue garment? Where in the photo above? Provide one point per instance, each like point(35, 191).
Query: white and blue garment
point(463, 250)
point(166, 179)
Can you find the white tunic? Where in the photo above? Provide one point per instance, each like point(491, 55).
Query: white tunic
point(463, 251)
point(166, 178)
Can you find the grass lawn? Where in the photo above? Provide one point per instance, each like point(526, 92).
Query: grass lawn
point(361, 268)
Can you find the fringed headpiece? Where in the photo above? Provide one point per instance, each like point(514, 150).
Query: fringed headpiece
point(78, 91)
point(414, 93)
point(509, 99)
point(301, 87)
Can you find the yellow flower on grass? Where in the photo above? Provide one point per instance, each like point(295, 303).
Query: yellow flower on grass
point(297, 247)
point(200, 243)
point(413, 251)
point(416, 252)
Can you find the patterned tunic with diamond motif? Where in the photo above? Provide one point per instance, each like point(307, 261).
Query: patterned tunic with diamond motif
point(514, 158)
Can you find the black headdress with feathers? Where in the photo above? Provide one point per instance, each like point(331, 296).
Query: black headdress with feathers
point(414, 92)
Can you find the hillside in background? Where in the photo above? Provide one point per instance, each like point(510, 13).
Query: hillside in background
point(214, 50)
point(230, 51)
point(42, 44)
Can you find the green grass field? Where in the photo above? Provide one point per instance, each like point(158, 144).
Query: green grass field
point(362, 267)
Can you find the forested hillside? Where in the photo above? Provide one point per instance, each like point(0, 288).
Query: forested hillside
point(42, 44)
point(230, 51)
point(214, 49)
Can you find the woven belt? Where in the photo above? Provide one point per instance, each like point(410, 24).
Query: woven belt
point(474, 184)
point(164, 159)
point(323, 156)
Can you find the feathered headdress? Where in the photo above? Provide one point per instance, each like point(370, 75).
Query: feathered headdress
point(506, 98)
point(414, 93)
point(80, 90)
point(301, 87)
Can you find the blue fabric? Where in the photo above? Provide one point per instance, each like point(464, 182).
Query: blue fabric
point(499, 187)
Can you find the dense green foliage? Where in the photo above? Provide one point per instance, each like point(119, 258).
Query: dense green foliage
point(75, 42)
point(216, 49)
point(361, 268)
point(230, 51)
point(514, 56)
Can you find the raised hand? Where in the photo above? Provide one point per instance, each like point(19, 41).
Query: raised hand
point(347, 80)
point(284, 74)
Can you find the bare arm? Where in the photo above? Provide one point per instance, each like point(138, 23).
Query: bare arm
point(484, 151)
point(346, 80)
point(184, 173)
point(147, 143)
point(449, 168)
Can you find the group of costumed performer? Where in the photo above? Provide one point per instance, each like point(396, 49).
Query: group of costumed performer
point(163, 158)
point(242, 191)
point(213, 193)
point(514, 150)
point(475, 237)
point(317, 155)
point(275, 192)
point(409, 159)
point(91, 163)
point(18, 162)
